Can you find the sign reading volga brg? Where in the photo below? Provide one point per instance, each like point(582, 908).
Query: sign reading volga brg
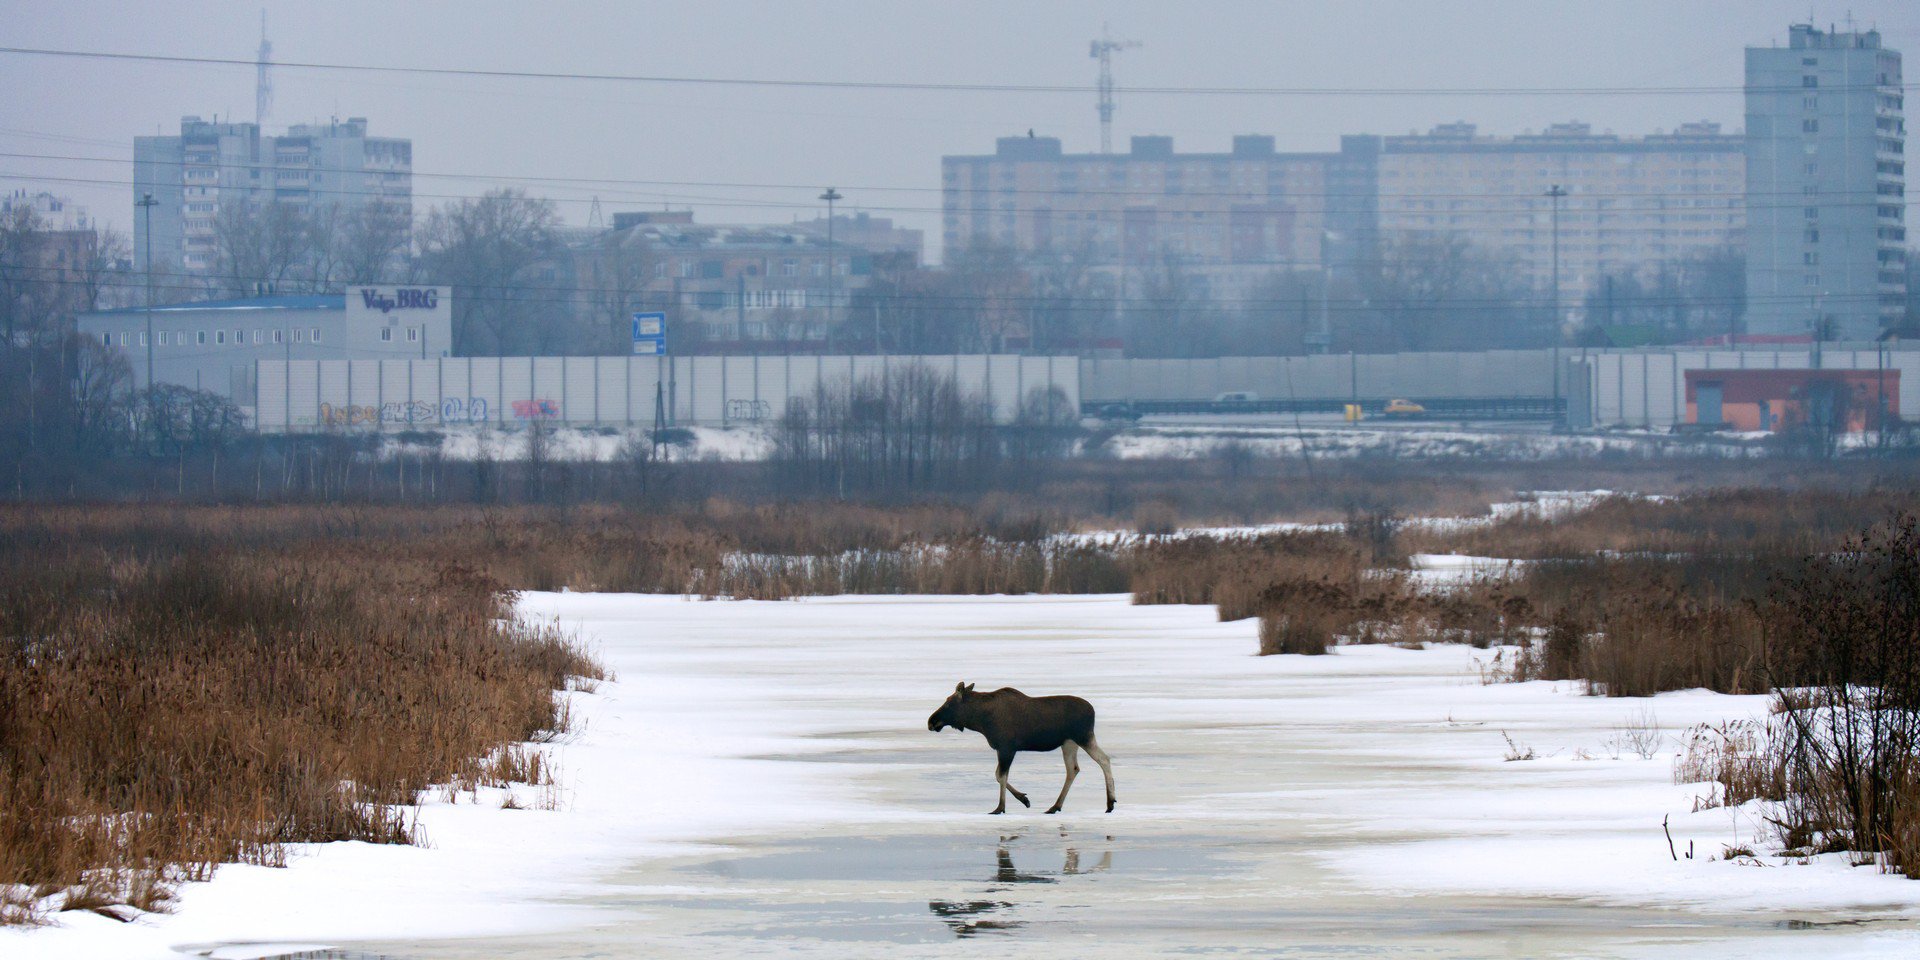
point(400, 302)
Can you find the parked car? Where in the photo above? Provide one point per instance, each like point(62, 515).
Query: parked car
point(1236, 396)
point(1403, 408)
point(1116, 411)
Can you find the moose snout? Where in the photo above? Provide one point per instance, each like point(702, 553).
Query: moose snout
point(934, 724)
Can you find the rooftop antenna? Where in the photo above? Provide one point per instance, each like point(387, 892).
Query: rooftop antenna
point(1102, 50)
point(262, 84)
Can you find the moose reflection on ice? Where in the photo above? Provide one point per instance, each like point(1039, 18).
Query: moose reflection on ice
point(969, 917)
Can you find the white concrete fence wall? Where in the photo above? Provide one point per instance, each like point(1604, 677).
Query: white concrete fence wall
point(1649, 388)
point(305, 395)
point(1487, 374)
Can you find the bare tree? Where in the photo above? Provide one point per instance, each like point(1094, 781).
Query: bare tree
point(21, 275)
point(103, 274)
point(613, 272)
point(1435, 291)
point(370, 242)
point(262, 243)
point(486, 247)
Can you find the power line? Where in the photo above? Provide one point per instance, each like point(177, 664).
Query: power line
point(1521, 202)
point(595, 182)
point(927, 86)
point(556, 294)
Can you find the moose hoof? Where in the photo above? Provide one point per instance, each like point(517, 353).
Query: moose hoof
point(1023, 801)
point(997, 812)
point(1109, 806)
point(1053, 810)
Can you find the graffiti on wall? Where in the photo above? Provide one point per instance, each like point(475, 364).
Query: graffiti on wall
point(348, 414)
point(463, 410)
point(748, 410)
point(412, 411)
point(541, 409)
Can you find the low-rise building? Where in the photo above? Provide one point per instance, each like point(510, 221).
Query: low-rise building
point(733, 284)
point(213, 345)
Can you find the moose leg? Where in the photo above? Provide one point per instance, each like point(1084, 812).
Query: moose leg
point(1069, 751)
point(1100, 757)
point(1006, 763)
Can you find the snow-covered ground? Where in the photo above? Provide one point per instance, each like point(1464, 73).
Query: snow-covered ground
point(760, 781)
point(1150, 441)
point(581, 443)
point(1174, 439)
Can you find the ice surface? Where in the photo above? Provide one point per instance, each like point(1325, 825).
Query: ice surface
point(760, 780)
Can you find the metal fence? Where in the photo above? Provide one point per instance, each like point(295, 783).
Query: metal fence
point(399, 394)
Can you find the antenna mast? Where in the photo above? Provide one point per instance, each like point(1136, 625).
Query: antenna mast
point(262, 85)
point(1102, 50)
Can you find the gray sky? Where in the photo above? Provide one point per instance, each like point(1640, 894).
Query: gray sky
point(881, 148)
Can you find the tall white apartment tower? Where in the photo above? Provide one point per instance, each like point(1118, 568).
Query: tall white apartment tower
point(1826, 185)
point(211, 164)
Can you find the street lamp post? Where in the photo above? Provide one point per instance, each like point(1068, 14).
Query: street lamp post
point(1555, 193)
point(146, 203)
point(830, 196)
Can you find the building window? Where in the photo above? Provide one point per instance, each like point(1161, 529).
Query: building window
point(200, 338)
point(143, 339)
point(1813, 236)
point(413, 334)
point(299, 335)
point(316, 334)
point(239, 337)
point(1809, 126)
point(386, 334)
point(106, 339)
point(276, 336)
point(1809, 81)
point(256, 336)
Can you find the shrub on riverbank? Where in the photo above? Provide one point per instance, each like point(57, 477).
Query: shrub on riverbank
point(176, 693)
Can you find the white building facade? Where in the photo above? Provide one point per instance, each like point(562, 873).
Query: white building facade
point(210, 164)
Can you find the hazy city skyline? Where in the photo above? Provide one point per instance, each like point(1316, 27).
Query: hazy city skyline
point(761, 154)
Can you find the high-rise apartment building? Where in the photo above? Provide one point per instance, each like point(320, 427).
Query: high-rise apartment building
point(1252, 210)
point(1826, 185)
point(1628, 203)
point(1228, 218)
point(313, 167)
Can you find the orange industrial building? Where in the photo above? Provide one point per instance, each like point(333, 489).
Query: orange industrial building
point(1776, 401)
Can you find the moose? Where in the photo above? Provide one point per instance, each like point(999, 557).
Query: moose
point(1012, 721)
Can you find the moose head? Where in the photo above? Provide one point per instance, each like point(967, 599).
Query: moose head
point(949, 714)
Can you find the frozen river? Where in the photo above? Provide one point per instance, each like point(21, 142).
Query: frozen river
point(1351, 805)
point(760, 782)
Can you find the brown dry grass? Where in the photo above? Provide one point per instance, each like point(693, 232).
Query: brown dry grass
point(180, 689)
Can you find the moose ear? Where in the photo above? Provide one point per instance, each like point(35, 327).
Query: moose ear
point(969, 688)
point(960, 687)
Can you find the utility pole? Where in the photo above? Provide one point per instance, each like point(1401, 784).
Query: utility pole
point(830, 196)
point(146, 203)
point(1321, 340)
point(1103, 50)
point(1555, 193)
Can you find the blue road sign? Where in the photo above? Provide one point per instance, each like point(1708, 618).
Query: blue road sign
point(649, 326)
point(649, 347)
